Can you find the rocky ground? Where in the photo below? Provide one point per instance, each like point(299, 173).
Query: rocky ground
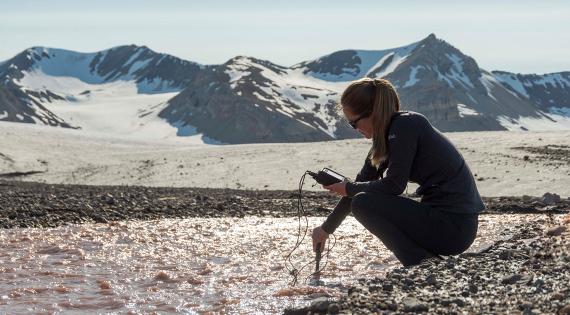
point(26, 204)
point(528, 273)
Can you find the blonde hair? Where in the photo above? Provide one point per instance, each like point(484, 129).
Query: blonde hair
point(379, 98)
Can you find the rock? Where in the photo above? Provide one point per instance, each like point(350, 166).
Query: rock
point(98, 218)
point(506, 254)
point(374, 288)
point(431, 280)
point(109, 199)
point(321, 304)
point(516, 278)
point(298, 311)
point(556, 231)
point(565, 310)
point(459, 302)
point(538, 283)
point(333, 308)
point(413, 305)
point(525, 306)
point(557, 296)
point(550, 199)
point(511, 279)
point(483, 248)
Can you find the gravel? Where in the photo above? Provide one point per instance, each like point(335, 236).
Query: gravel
point(26, 204)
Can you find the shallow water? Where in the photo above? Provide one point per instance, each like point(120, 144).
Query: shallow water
point(225, 265)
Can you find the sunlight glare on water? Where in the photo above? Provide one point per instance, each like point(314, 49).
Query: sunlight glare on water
point(231, 265)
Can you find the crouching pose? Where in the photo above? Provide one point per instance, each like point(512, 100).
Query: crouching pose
point(408, 148)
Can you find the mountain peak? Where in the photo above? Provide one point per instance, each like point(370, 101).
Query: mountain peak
point(431, 36)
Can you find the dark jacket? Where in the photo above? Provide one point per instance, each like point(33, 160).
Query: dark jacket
point(419, 153)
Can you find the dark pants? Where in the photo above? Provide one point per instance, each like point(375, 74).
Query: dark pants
point(413, 230)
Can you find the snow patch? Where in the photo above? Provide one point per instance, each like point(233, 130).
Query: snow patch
point(236, 71)
point(489, 82)
point(370, 61)
point(535, 124)
point(3, 115)
point(457, 72)
point(513, 83)
point(562, 111)
point(442, 77)
point(554, 79)
point(413, 80)
point(465, 110)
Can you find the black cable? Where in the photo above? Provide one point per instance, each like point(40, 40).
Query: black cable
point(294, 272)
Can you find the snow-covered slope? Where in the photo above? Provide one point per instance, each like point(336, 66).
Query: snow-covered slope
point(111, 92)
point(44, 68)
point(252, 100)
point(348, 65)
point(550, 91)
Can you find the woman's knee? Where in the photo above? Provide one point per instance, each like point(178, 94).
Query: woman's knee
point(363, 202)
point(358, 202)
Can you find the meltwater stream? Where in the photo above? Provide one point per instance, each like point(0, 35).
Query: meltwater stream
point(221, 265)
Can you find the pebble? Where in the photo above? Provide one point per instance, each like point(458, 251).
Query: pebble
point(565, 310)
point(413, 305)
point(556, 231)
point(321, 304)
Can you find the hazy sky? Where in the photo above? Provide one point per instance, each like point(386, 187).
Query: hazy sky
point(518, 36)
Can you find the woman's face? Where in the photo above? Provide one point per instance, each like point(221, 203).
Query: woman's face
point(363, 125)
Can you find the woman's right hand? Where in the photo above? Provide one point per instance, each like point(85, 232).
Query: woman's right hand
point(319, 236)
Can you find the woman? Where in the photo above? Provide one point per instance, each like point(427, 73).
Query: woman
point(408, 148)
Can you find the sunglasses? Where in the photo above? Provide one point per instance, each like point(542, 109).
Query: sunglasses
point(353, 123)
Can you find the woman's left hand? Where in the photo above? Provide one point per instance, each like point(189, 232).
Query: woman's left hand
point(337, 188)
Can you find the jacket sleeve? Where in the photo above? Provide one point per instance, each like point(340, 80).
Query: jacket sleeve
point(402, 143)
point(342, 208)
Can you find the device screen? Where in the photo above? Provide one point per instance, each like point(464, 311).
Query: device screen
point(333, 173)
